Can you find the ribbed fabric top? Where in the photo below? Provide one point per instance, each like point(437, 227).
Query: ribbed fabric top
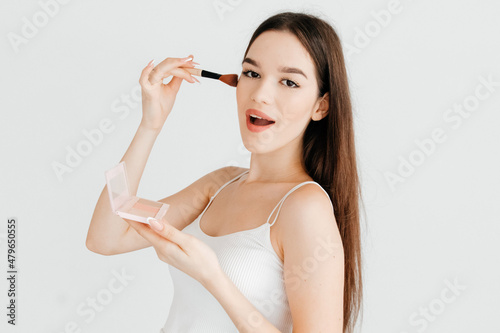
point(250, 261)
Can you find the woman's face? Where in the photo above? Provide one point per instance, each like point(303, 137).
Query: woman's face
point(271, 82)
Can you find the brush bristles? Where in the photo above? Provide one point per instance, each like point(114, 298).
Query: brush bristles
point(230, 79)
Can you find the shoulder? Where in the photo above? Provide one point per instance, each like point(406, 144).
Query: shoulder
point(306, 214)
point(309, 200)
point(308, 195)
point(230, 171)
point(220, 176)
point(313, 260)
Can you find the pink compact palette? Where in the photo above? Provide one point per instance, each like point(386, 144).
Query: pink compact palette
point(128, 206)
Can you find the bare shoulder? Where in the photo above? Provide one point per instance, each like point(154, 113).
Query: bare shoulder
point(188, 203)
point(219, 177)
point(311, 238)
point(306, 214)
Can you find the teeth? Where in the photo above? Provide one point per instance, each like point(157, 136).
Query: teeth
point(255, 116)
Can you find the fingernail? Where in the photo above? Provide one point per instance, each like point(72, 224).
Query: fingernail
point(195, 63)
point(154, 223)
point(151, 62)
point(187, 59)
point(195, 79)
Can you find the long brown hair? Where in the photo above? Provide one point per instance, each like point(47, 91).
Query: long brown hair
point(329, 155)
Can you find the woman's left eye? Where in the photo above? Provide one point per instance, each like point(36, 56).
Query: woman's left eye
point(294, 85)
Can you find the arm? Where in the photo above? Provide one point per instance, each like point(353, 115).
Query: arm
point(107, 229)
point(108, 233)
point(310, 238)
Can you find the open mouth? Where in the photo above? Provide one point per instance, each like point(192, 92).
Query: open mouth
point(257, 121)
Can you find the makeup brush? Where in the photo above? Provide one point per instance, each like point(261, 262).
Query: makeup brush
point(230, 79)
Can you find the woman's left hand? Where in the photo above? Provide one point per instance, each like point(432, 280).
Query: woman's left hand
point(183, 251)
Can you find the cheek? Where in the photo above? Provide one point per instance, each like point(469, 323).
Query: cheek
point(241, 101)
point(240, 92)
point(299, 104)
point(296, 108)
point(296, 114)
point(242, 95)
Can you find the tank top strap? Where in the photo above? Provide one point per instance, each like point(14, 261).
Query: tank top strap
point(280, 203)
point(229, 182)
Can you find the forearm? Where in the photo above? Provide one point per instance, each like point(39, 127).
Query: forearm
point(244, 315)
point(106, 228)
point(137, 155)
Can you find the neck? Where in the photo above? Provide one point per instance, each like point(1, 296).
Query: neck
point(279, 166)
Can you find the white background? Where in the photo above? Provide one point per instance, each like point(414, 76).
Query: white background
point(439, 224)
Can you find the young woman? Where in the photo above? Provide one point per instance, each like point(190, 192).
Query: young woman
point(277, 245)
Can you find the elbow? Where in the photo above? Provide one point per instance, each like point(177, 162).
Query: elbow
point(91, 247)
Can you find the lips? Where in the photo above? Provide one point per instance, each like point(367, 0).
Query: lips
point(259, 114)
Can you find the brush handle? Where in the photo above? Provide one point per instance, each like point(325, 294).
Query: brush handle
point(202, 73)
point(209, 74)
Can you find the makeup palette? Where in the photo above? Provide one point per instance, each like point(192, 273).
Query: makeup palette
point(128, 206)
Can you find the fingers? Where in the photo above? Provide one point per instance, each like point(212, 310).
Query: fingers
point(161, 245)
point(168, 231)
point(170, 66)
point(184, 74)
point(174, 84)
point(143, 80)
point(166, 250)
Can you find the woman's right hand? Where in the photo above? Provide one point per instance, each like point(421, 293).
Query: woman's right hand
point(158, 98)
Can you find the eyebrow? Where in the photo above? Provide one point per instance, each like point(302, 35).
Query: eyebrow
point(281, 69)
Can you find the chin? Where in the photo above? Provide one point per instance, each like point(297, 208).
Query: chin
point(254, 144)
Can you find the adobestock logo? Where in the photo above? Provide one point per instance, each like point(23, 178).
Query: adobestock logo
point(267, 136)
point(454, 116)
point(264, 138)
point(372, 29)
point(31, 28)
point(429, 313)
point(89, 308)
point(95, 136)
point(223, 6)
point(295, 276)
point(243, 153)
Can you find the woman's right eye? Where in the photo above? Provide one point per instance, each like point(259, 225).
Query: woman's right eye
point(249, 71)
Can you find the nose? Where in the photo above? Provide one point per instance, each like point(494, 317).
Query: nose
point(262, 92)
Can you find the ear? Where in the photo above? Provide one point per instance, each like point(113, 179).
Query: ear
point(321, 107)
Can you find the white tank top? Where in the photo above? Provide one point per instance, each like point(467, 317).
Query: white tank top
point(250, 261)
